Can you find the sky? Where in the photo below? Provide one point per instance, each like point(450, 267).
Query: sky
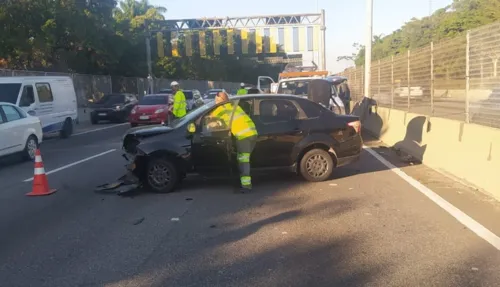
point(345, 20)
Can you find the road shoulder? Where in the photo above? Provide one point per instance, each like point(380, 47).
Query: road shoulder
point(475, 203)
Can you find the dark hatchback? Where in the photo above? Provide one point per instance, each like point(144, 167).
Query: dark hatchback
point(294, 134)
point(112, 107)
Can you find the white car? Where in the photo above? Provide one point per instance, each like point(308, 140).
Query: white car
point(19, 132)
point(52, 99)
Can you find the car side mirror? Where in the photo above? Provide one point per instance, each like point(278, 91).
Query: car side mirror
point(191, 128)
point(31, 113)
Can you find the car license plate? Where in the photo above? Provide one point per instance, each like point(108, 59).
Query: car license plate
point(103, 114)
point(144, 117)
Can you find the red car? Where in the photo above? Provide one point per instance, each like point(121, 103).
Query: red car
point(151, 109)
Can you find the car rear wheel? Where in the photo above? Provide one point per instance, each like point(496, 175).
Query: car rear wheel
point(67, 129)
point(161, 175)
point(316, 165)
point(94, 120)
point(133, 125)
point(30, 148)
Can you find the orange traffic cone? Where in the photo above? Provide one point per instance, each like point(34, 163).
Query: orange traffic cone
point(40, 182)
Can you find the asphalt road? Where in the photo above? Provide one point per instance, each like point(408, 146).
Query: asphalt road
point(368, 226)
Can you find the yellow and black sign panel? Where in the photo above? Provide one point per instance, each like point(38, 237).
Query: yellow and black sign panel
point(271, 40)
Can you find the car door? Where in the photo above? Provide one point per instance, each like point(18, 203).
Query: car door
point(278, 123)
point(211, 147)
point(45, 108)
point(13, 129)
point(27, 101)
point(6, 139)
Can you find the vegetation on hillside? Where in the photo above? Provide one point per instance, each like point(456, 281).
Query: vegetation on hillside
point(447, 22)
point(103, 37)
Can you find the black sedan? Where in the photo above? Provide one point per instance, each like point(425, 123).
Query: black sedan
point(112, 107)
point(294, 134)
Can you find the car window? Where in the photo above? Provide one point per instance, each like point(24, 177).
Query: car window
point(166, 91)
point(9, 93)
point(211, 122)
point(27, 97)
point(247, 106)
point(112, 99)
point(11, 113)
point(44, 92)
point(152, 100)
point(296, 87)
point(211, 94)
point(271, 111)
point(130, 98)
point(311, 109)
point(188, 94)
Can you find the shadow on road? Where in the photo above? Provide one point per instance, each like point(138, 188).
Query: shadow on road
point(267, 251)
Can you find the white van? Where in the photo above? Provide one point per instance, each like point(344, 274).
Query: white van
point(52, 99)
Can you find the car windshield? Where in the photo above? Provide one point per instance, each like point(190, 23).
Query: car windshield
point(153, 100)
point(111, 99)
point(295, 87)
point(9, 93)
point(191, 115)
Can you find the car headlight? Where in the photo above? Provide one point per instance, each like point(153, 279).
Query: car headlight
point(159, 111)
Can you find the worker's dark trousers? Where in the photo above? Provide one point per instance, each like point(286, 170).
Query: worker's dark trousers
point(244, 148)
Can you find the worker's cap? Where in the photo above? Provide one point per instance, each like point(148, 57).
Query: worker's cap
point(242, 84)
point(174, 83)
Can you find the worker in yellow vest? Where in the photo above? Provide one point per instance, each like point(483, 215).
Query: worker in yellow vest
point(244, 131)
point(180, 104)
point(242, 90)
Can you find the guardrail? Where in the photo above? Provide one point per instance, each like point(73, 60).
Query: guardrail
point(457, 78)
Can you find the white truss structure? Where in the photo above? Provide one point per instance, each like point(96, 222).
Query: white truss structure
point(249, 22)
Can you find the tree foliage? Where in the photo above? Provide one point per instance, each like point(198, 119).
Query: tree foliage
point(447, 22)
point(101, 37)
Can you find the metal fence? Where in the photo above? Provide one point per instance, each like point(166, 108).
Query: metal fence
point(95, 86)
point(458, 78)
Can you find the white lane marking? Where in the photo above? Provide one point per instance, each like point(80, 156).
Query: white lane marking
point(74, 163)
point(459, 215)
point(100, 129)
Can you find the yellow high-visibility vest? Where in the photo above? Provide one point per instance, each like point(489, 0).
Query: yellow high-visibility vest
point(241, 92)
point(180, 105)
point(242, 125)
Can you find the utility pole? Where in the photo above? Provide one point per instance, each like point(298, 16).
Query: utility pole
point(323, 40)
point(148, 59)
point(368, 46)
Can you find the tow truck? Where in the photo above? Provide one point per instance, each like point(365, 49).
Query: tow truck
point(295, 80)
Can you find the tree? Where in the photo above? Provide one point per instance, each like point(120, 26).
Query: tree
point(103, 37)
point(447, 22)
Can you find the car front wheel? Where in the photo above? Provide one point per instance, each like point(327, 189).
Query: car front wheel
point(161, 175)
point(316, 165)
point(30, 148)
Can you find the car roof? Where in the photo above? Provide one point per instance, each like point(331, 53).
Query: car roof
point(158, 95)
point(20, 79)
point(7, 104)
point(282, 96)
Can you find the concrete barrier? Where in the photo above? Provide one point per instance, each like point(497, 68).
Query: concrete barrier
point(468, 151)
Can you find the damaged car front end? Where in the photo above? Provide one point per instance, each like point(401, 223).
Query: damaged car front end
point(138, 145)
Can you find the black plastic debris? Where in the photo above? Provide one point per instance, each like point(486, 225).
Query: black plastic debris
point(139, 221)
